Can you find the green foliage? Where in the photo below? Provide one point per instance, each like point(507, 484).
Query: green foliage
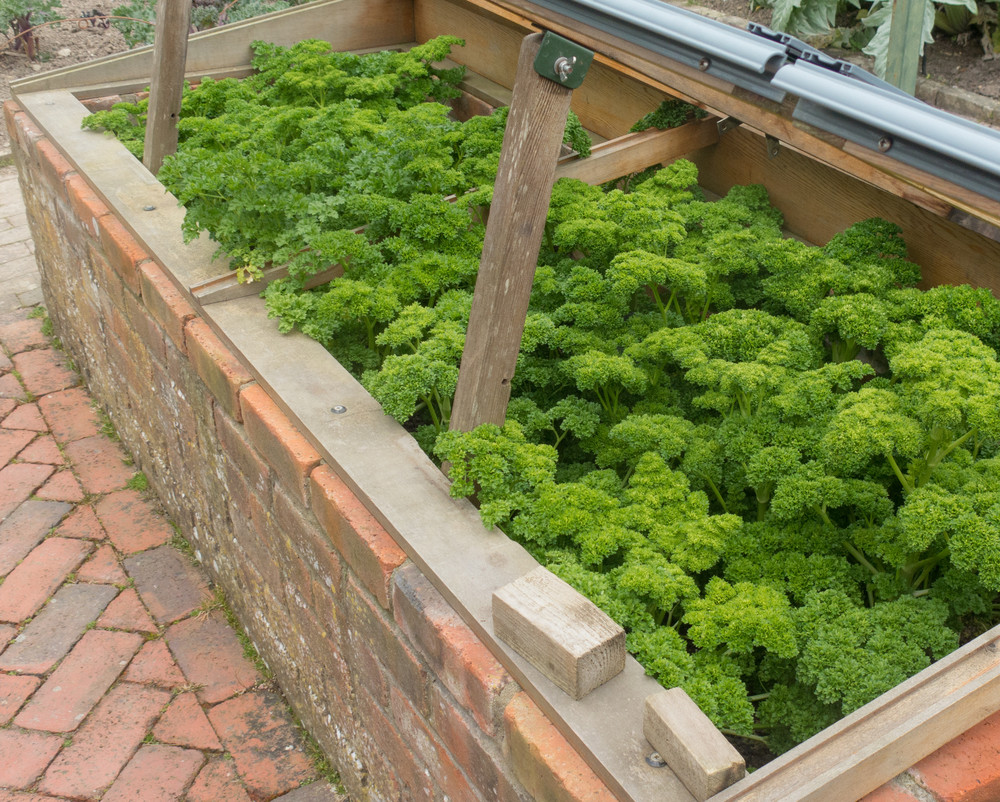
point(18, 17)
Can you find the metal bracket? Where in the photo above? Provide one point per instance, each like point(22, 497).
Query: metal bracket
point(562, 61)
point(727, 124)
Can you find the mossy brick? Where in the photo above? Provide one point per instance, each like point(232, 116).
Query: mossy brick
point(280, 444)
point(122, 250)
point(69, 415)
point(167, 769)
point(544, 762)
point(392, 769)
point(459, 658)
point(308, 541)
point(380, 635)
point(362, 541)
point(54, 167)
point(10, 109)
point(26, 134)
point(150, 333)
point(165, 302)
point(364, 668)
point(967, 769)
point(85, 203)
point(222, 373)
point(210, 655)
point(218, 781)
point(238, 449)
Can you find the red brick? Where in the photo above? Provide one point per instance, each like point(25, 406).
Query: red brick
point(156, 774)
point(544, 762)
point(210, 655)
point(44, 450)
point(14, 691)
point(6, 404)
point(12, 442)
point(185, 724)
point(82, 523)
point(20, 335)
point(63, 486)
point(73, 689)
point(99, 464)
point(218, 782)
point(237, 448)
point(968, 768)
point(222, 372)
point(355, 533)
point(28, 586)
point(44, 371)
point(150, 334)
point(105, 742)
point(170, 585)
point(26, 132)
point(165, 303)
point(131, 523)
point(122, 251)
point(18, 482)
point(126, 612)
point(890, 792)
point(70, 415)
point(269, 753)
point(7, 633)
point(463, 663)
point(54, 166)
point(390, 760)
point(309, 542)
point(154, 665)
point(10, 388)
point(87, 207)
point(102, 568)
point(24, 529)
point(27, 417)
point(24, 756)
point(278, 441)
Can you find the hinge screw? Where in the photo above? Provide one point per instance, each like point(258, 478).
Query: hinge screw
point(704, 64)
point(654, 760)
point(885, 143)
point(340, 409)
point(563, 67)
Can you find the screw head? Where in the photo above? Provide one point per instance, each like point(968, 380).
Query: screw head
point(654, 760)
point(704, 63)
point(148, 208)
point(340, 409)
point(885, 143)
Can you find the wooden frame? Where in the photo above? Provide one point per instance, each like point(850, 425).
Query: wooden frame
point(821, 184)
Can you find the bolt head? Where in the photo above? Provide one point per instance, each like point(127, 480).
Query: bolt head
point(885, 144)
point(340, 409)
point(704, 63)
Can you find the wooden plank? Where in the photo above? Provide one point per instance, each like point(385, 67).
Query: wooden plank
point(872, 745)
point(690, 744)
point(634, 152)
point(228, 287)
point(531, 144)
point(559, 631)
point(169, 56)
point(905, 43)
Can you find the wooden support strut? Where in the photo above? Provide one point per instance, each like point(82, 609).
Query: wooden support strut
point(169, 57)
point(521, 195)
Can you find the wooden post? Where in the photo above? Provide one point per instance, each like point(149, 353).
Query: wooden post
point(173, 17)
point(535, 128)
point(905, 36)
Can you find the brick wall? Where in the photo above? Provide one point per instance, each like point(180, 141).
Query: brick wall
point(401, 694)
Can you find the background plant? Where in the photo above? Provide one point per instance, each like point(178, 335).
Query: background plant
point(204, 14)
point(18, 17)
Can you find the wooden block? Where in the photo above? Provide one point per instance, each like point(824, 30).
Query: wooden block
point(560, 632)
point(692, 747)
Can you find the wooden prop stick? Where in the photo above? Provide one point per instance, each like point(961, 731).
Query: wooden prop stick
point(173, 17)
point(531, 143)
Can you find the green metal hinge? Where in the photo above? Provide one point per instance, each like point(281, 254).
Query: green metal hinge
point(562, 61)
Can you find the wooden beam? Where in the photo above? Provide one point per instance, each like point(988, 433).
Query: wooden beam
point(905, 43)
point(169, 56)
point(531, 144)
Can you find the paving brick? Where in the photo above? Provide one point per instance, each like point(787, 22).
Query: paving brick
point(99, 464)
point(314, 792)
point(24, 756)
point(165, 303)
point(463, 663)
point(69, 415)
point(81, 679)
point(218, 782)
point(14, 691)
point(222, 372)
point(105, 742)
point(44, 371)
point(355, 533)
point(210, 655)
point(185, 724)
point(10, 387)
point(51, 634)
point(126, 612)
point(12, 442)
point(27, 587)
point(7, 405)
point(24, 529)
point(544, 762)
point(20, 335)
point(131, 523)
point(62, 486)
point(27, 417)
point(156, 774)
point(43, 450)
point(968, 768)
point(154, 665)
point(18, 482)
point(81, 523)
point(102, 568)
point(269, 753)
point(278, 441)
point(123, 252)
point(170, 585)
point(7, 633)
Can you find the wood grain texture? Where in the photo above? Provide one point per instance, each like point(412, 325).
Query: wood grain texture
point(560, 632)
point(690, 744)
point(531, 145)
point(169, 59)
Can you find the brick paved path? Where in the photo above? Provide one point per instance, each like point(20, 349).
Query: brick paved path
point(120, 679)
point(19, 281)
